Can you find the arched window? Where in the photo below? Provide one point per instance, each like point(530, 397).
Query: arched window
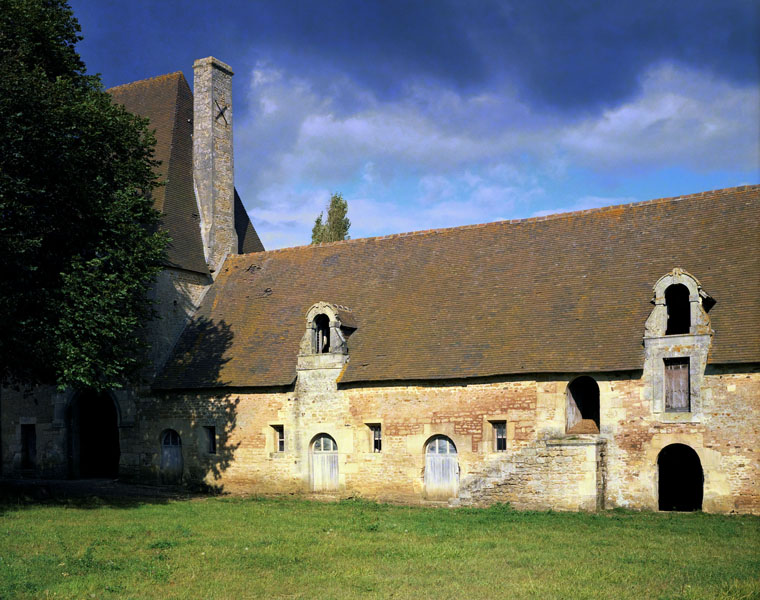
point(324, 464)
point(172, 463)
point(441, 469)
point(583, 406)
point(679, 309)
point(681, 480)
point(321, 334)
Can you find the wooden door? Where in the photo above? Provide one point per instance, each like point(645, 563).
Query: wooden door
point(441, 469)
point(324, 464)
point(677, 396)
point(171, 457)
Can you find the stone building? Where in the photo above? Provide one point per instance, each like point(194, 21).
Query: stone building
point(602, 358)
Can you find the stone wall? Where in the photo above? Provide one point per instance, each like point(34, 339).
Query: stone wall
point(542, 467)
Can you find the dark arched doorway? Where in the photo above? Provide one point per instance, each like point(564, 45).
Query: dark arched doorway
point(93, 436)
point(681, 479)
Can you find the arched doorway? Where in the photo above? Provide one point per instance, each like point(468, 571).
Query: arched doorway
point(441, 469)
point(324, 464)
point(680, 478)
point(93, 436)
point(172, 463)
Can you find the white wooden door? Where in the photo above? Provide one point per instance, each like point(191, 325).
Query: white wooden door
point(324, 464)
point(441, 469)
point(171, 457)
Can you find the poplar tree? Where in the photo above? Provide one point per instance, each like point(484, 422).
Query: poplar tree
point(79, 237)
point(335, 229)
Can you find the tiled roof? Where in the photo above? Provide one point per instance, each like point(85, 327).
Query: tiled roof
point(562, 293)
point(168, 103)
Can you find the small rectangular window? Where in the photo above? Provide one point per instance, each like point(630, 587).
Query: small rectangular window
point(28, 446)
point(377, 437)
point(210, 438)
point(677, 392)
point(499, 436)
point(279, 438)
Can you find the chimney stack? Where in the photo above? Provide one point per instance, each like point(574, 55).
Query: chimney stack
point(213, 168)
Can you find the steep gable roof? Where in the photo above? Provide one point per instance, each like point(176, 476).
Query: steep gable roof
point(167, 102)
point(563, 293)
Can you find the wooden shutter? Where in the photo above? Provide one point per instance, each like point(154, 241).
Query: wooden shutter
point(677, 385)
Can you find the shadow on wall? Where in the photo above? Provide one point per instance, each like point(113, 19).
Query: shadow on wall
point(205, 449)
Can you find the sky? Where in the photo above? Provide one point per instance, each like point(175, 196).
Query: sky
point(444, 113)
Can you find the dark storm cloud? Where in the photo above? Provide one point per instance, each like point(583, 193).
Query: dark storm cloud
point(566, 56)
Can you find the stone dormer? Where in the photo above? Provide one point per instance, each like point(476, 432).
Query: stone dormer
point(677, 342)
point(325, 341)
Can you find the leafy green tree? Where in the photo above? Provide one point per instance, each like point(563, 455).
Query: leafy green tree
point(79, 237)
point(336, 227)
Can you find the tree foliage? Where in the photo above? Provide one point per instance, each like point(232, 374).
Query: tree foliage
point(336, 227)
point(79, 237)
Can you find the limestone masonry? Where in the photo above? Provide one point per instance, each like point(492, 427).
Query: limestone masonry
point(583, 361)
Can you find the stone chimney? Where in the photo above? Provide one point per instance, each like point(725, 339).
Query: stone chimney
point(213, 169)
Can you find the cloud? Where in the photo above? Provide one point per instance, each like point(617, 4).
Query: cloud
point(431, 159)
point(682, 117)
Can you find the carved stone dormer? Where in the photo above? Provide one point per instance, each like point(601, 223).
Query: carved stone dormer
point(699, 304)
point(324, 343)
point(677, 341)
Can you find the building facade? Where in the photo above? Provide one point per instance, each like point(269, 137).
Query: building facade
point(589, 360)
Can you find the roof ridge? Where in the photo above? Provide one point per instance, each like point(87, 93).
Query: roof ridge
point(146, 80)
point(550, 217)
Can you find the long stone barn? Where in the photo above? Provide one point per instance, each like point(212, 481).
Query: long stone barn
point(579, 361)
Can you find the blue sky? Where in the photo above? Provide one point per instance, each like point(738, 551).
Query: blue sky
point(442, 113)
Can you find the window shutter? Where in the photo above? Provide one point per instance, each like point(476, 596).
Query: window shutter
point(677, 385)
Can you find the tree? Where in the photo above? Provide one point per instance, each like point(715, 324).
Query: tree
point(79, 236)
point(335, 229)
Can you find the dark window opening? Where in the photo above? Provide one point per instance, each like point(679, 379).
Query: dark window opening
point(679, 309)
point(279, 437)
point(170, 438)
point(377, 437)
point(321, 334)
point(28, 446)
point(677, 391)
point(210, 438)
point(500, 435)
point(681, 479)
point(583, 406)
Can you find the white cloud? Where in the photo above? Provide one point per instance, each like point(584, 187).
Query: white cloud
point(436, 158)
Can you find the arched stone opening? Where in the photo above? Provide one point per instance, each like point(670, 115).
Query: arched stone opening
point(324, 464)
point(441, 469)
point(680, 478)
point(321, 334)
point(172, 462)
point(93, 435)
point(582, 410)
point(679, 309)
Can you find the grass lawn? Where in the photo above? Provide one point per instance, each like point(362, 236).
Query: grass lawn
point(254, 548)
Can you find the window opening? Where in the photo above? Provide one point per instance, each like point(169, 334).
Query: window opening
point(677, 392)
point(210, 438)
point(500, 436)
point(680, 478)
point(583, 406)
point(279, 437)
point(28, 446)
point(679, 309)
point(377, 437)
point(321, 334)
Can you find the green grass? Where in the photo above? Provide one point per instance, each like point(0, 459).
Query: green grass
point(238, 548)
